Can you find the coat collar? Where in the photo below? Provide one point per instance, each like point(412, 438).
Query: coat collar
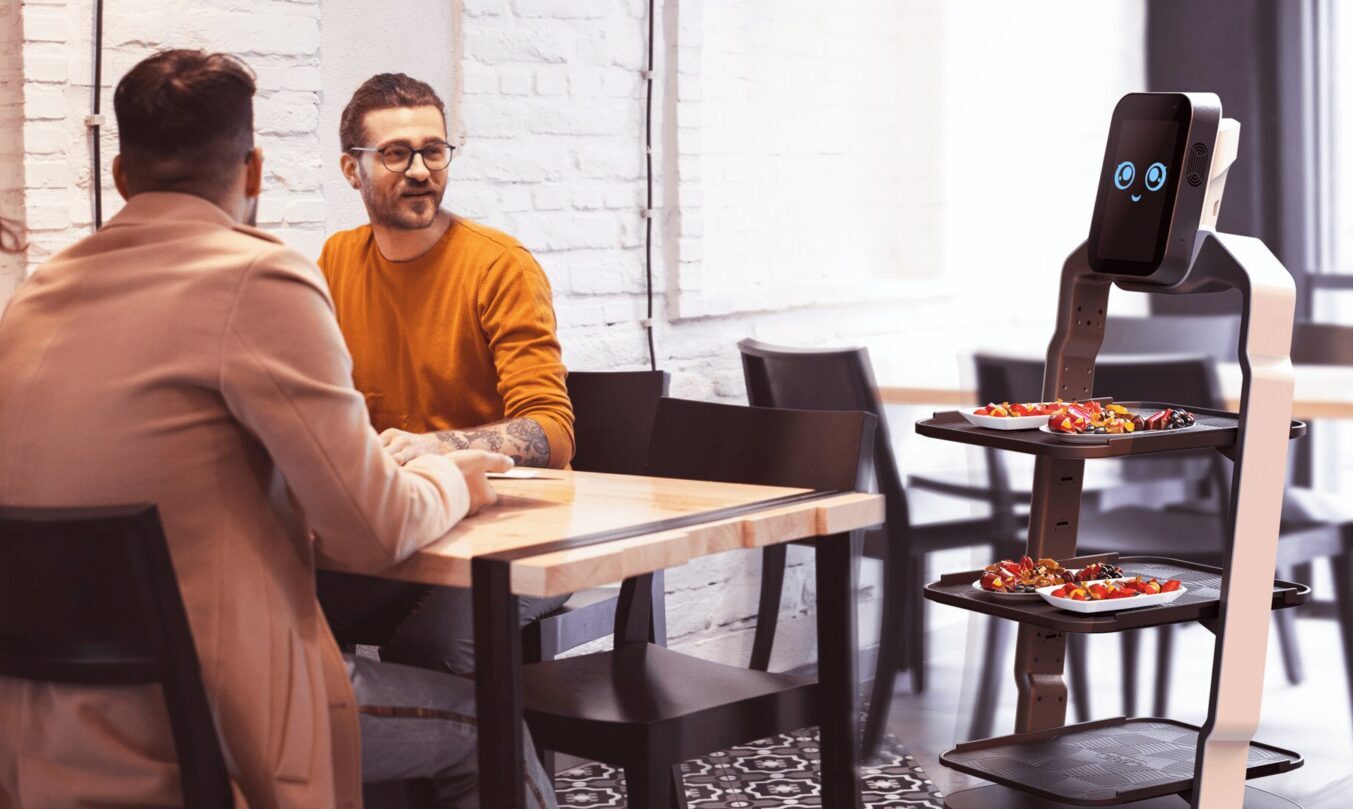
point(160, 207)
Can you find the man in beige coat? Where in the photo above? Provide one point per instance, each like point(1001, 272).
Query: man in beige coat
point(181, 357)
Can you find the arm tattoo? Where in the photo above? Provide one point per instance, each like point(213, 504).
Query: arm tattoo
point(523, 439)
point(530, 439)
point(452, 440)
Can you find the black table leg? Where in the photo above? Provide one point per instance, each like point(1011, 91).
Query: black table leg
point(498, 700)
point(836, 670)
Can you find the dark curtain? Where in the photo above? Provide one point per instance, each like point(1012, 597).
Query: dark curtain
point(1255, 55)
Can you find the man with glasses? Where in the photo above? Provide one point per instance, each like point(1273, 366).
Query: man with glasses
point(452, 332)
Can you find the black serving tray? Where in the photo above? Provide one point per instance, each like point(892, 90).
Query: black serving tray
point(1103, 763)
point(1201, 603)
point(1214, 429)
point(995, 796)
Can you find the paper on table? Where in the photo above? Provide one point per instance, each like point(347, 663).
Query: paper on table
point(514, 473)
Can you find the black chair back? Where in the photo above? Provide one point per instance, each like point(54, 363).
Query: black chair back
point(613, 418)
point(1215, 336)
point(1186, 380)
point(827, 379)
point(1322, 344)
point(825, 451)
point(88, 596)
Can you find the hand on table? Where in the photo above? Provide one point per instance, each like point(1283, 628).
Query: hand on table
point(404, 446)
point(473, 464)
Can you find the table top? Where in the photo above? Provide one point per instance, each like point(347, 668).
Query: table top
point(1322, 391)
point(558, 505)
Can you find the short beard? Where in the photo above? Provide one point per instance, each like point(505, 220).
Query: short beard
point(390, 214)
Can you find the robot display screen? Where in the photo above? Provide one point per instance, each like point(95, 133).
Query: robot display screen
point(1137, 190)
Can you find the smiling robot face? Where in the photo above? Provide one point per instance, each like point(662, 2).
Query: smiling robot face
point(1126, 173)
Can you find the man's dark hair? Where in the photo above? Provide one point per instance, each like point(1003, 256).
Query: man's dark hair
point(384, 91)
point(185, 121)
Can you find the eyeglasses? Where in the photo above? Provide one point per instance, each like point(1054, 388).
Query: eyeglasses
point(398, 158)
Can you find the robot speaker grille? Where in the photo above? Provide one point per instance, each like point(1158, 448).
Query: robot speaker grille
point(1197, 166)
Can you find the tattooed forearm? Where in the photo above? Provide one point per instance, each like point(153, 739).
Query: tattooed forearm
point(523, 439)
point(451, 440)
point(532, 445)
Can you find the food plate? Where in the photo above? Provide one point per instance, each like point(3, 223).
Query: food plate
point(1096, 438)
point(1004, 422)
point(977, 585)
point(1109, 605)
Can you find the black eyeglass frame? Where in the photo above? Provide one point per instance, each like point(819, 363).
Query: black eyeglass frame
point(408, 164)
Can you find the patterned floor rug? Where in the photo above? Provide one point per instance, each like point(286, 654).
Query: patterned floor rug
point(769, 774)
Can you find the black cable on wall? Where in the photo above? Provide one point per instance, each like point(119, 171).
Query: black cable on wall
point(94, 121)
point(648, 204)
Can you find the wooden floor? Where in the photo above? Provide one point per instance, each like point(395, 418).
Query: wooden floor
point(1312, 718)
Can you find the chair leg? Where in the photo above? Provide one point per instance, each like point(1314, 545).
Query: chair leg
point(1078, 675)
point(1285, 624)
point(1343, 602)
point(1164, 665)
point(916, 623)
point(659, 616)
point(1132, 642)
point(648, 785)
point(893, 641)
point(989, 687)
point(773, 561)
point(679, 800)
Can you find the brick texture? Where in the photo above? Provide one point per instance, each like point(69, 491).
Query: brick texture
point(765, 124)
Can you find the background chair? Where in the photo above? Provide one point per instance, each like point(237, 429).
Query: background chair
point(613, 415)
point(88, 597)
point(1313, 528)
point(646, 709)
point(842, 379)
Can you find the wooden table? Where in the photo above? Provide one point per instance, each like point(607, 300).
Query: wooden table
point(1322, 391)
point(564, 531)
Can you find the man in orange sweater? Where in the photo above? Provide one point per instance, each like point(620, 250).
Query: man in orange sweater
point(452, 332)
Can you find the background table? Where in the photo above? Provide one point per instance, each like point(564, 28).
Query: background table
point(1322, 392)
point(564, 531)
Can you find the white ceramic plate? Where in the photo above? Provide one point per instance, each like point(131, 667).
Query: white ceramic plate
point(977, 585)
point(1110, 605)
point(1004, 422)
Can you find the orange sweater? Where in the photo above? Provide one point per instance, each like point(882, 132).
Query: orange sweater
point(458, 338)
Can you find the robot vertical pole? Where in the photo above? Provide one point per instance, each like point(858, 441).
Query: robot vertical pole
point(1256, 511)
point(1055, 509)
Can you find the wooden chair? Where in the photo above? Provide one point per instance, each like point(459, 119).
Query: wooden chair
point(646, 709)
point(843, 379)
point(88, 597)
point(613, 415)
point(613, 422)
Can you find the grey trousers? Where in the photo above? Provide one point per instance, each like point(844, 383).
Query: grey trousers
point(417, 723)
point(413, 624)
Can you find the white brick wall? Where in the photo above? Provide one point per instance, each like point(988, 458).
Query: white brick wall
point(11, 136)
point(552, 113)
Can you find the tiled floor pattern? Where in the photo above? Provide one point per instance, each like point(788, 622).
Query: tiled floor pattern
point(769, 774)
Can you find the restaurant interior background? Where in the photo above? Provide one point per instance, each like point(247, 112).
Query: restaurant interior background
point(900, 174)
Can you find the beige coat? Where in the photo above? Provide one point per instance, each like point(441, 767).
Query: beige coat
point(177, 358)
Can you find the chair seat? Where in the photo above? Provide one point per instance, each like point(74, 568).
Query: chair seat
point(644, 692)
point(585, 617)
